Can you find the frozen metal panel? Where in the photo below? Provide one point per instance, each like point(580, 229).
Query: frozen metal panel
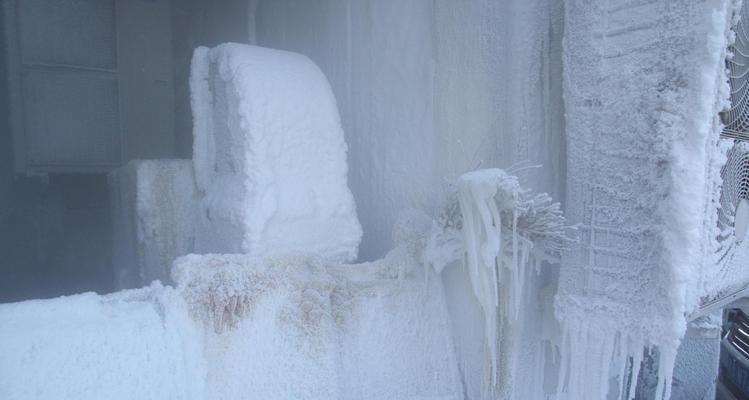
point(72, 32)
point(71, 118)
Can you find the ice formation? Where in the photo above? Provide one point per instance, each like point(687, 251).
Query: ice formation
point(370, 331)
point(153, 218)
point(504, 234)
point(644, 83)
point(269, 156)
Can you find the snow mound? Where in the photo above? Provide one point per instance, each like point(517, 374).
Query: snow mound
point(269, 156)
point(138, 344)
point(236, 326)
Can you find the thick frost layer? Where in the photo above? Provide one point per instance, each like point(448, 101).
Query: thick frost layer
point(269, 156)
point(644, 83)
point(291, 327)
point(153, 219)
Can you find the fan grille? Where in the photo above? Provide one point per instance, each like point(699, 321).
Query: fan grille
point(735, 174)
point(736, 119)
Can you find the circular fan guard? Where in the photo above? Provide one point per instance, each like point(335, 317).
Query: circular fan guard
point(736, 119)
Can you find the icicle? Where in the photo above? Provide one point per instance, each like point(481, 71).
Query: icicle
point(666, 360)
point(500, 225)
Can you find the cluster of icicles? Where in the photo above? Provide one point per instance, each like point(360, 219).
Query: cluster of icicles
point(505, 234)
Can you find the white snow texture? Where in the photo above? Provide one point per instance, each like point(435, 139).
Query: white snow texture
point(643, 83)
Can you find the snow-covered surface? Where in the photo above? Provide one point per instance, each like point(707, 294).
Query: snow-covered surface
point(644, 84)
point(291, 327)
point(269, 156)
point(153, 219)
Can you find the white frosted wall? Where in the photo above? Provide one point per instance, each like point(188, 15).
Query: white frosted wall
point(428, 90)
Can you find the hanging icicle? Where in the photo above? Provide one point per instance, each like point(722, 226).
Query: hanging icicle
point(504, 232)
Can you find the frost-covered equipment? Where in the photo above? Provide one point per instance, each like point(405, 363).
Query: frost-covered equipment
point(644, 84)
point(736, 119)
point(727, 274)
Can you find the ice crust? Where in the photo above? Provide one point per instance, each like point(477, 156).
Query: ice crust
point(269, 156)
point(643, 86)
point(501, 234)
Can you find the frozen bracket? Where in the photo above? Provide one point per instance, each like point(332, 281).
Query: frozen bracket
point(153, 203)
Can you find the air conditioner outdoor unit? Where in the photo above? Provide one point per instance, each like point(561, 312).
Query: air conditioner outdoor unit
point(730, 269)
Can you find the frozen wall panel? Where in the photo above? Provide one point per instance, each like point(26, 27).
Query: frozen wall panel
point(269, 156)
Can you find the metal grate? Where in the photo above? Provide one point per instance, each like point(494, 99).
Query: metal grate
point(735, 175)
point(736, 119)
